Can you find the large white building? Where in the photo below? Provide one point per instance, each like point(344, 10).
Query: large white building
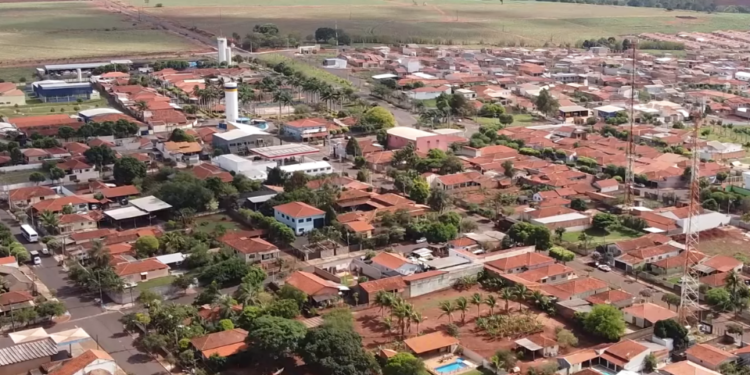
point(254, 170)
point(314, 168)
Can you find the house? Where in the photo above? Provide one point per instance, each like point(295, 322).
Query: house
point(572, 112)
point(79, 203)
point(400, 136)
point(581, 287)
point(28, 196)
point(624, 355)
point(676, 264)
point(34, 155)
point(301, 217)
point(316, 288)
point(141, 270)
point(644, 315)
point(186, 152)
point(607, 186)
point(379, 161)
point(686, 368)
point(392, 264)
point(539, 345)
point(249, 247)
point(369, 289)
point(223, 344)
point(429, 345)
point(554, 217)
point(47, 125)
point(71, 223)
point(615, 297)
point(360, 228)
point(621, 247)
point(15, 300)
point(550, 274)
point(10, 95)
point(718, 264)
point(428, 92)
point(27, 357)
point(305, 129)
point(15, 280)
point(78, 170)
point(579, 363)
point(709, 356)
point(89, 362)
point(637, 258)
point(119, 194)
point(204, 171)
point(519, 263)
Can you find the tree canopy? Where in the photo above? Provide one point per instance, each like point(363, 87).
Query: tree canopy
point(276, 337)
point(605, 321)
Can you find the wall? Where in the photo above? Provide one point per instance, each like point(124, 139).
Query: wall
point(475, 357)
point(20, 167)
point(294, 223)
point(151, 275)
point(421, 287)
point(24, 367)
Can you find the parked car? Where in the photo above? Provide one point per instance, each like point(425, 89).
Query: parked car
point(37, 261)
point(604, 268)
point(45, 249)
point(421, 240)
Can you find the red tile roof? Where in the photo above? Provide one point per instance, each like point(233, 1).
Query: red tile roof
point(224, 343)
point(298, 210)
point(429, 342)
point(649, 312)
point(205, 170)
point(709, 354)
point(79, 363)
point(610, 296)
point(27, 193)
point(389, 260)
point(307, 123)
point(722, 263)
point(312, 284)
point(522, 260)
point(246, 242)
point(574, 287)
point(137, 267)
point(626, 350)
point(57, 204)
point(389, 283)
point(11, 298)
point(120, 191)
point(50, 120)
point(541, 273)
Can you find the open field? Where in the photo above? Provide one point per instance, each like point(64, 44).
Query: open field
point(75, 29)
point(50, 108)
point(730, 242)
point(16, 177)
point(597, 236)
point(457, 21)
point(208, 224)
point(17, 74)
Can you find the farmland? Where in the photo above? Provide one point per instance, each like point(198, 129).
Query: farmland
point(465, 21)
point(31, 31)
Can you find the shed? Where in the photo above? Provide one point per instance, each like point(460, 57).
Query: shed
point(28, 335)
point(432, 343)
point(150, 204)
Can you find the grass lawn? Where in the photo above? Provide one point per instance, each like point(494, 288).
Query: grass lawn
point(675, 279)
point(208, 224)
point(162, 281)
point(430, 103)
point(725, 135)
point(597, 235)
point(17, 177)
point(15, 74)
point(306, 69)
point(486, 120)
point(39, 109)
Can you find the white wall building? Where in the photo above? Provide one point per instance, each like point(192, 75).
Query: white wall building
point(314, 168)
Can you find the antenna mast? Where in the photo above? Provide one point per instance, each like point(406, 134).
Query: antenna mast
point(630, 152)
point(689, 302)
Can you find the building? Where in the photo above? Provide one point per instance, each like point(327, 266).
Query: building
point(15, 300)
point(568, 113)
point(709, 356)
point(558, 217)
point(10, 95)
point(204, 171)
point(44, 125)
point(301, 217)
point(519, 263)
point(317, 289)
point(581, 287)
point(63, 92)
point(551, 274)
point(644, 315)
point(718, 264)
point(428, 92)
point(76, 223)
point(391, 264)
point(249, 247)
point(686, 368)
point(334, 63)
point(368, 290)
point(305, 129)
point(240, 141)
point(625, 355)
point(186, 152)
point(89, 362)
point(715, 150)
point(607, 111)
point(223, 344)
point(616, 297)
point(28, 356)
point(313, 168)
point(431, 344)
point(539, 345)
point(399, 137)
point(607, 186)
point(29, 196)
point(141, 270)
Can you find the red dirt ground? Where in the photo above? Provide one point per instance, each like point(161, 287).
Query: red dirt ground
point(368, 324)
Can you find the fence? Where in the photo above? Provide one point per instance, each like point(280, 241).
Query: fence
point(20, 167)
point(639, 334)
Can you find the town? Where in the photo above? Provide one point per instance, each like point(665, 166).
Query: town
point(399, 210)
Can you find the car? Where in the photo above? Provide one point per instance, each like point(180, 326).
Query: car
point(604, 268)
point(45, 249)
point(325, 158)
point(37, 261)
point(421, 240)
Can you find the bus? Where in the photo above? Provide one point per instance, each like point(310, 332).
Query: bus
point(29, 233)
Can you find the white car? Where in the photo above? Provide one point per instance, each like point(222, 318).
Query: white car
point(604, 268)
point(37, 261)
point(421, 240)
point(45, 249)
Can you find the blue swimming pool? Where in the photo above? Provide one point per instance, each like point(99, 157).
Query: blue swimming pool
point(604, 370)
point(458, 364)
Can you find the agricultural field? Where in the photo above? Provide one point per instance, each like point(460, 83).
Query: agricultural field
point(459, 21)
point(67, 30)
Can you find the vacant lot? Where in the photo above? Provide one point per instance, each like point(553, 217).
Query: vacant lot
point(725, 241)
point(40, 109)
point(74, 29)
point(467, 21)
point(208, 224)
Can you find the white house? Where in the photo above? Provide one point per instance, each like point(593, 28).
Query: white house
point(253, 169)
point(468, 94)
point(391, 264)
point(411, 65)
point(607, 186)
point(645, 315)
point(88, 363)
point(314, 168)
point(301, 217)
point(427, 93)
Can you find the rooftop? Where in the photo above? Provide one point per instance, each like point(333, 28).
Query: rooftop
point(649, 312)
point(430, 342)
point(709, 354)
point(298, 210)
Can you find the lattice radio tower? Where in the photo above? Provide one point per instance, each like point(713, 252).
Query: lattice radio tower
point(630, 151)
point(689, 311)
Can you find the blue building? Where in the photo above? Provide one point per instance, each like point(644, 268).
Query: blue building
point(301, 217)
point(63, 92)
point(607, 111)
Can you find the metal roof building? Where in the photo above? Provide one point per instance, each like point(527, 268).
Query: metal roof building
point(86, 66)
point(27, 351)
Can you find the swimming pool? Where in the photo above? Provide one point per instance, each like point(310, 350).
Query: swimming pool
point(458, 364)
point(604, 370)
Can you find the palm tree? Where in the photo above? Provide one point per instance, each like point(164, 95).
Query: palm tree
point(447, 309)
point(522, 292)
point(507, 295)
point(477, 300)
point(417, 318)
point(98, 255)
point(462, 305)
point(226, 305)
point(283, 98)
point(735, 286)
point(383, 300)
point(491, 302)
point(49, 221)
point(142, 107)
point(326, 94)
point(403, 312)
point(247, 293)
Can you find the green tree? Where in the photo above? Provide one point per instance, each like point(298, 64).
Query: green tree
point(545, 103)
point(559, 231)
point(420, 190)
point(284, 308)
point(438, 232)
point(404, 364)
point(491, 110)
point(561, 254)
point(353, 148)
point(127, 169)
point(66, 132)
point(504, 360)
point(508, 168)
point(148, 297)
point(438, 200)
point(719, 298)
point(605, 321)
point(289, 292)
point(179, 135)
point(650, 363)
point(146, 246)
point(37, 177)
point(275, 337)
point(100, 156)
point(50, 309)
point(331, 349)
point(56, 174)
point(671, 300)
point(603, 221)
point(672, 329)
point(578, 204)
point(379, 118)
point(566, 339)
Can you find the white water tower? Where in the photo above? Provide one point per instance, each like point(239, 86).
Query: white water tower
point(222, 47)
point(230, 101)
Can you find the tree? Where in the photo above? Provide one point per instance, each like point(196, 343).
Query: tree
point(208, 295)
point(578, 204)
point(447, 308)
point(508, 168)
point(559, 231)
point(50, 309)
point(545, 103)
point(379, 118)
point(605, 321)
point(146, 246)
point(504, 360)
point(147, 298)
point(288, 292)
point(65, 132)
point(182, 282)
point(462, 305)
point(650, 363)
point(672, 329)
point(438, 200)
point(420, 190)
point(719, 298)
point(353, 148)
point(331, 349)
point(566, 339)
point(56, 174)
point(50, 221)
point(438, 232)
point(127, 169)
point(276, 337)
point(671, 299)
point(179, 135)
point(100, 156)
point(491, 110)
point(404, 364)
point(561, 254)
point(284, 308)
point(37, 177)
point(363, 175)
point(530, 234)
point(603, 221)
point(185, 191)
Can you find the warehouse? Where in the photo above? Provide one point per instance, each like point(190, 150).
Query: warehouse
point(240, 141)
point(63, 92)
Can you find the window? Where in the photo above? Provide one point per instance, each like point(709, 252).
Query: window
point(309, 219)
point(300, 220)
point(144, 276)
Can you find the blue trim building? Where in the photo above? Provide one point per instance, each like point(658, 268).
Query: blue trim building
point(64, 92)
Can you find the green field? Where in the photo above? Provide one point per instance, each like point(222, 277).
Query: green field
point(16, 177)
point(153, 283)
point(17, 74)
point(521, 119)
point(457, 21)
point(207, 224)
point(50, 108)
point(31, 32)
point(601, 236)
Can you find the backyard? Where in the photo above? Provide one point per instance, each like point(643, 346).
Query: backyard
point(16, 177)
point(208, 224)
point(599, 236)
